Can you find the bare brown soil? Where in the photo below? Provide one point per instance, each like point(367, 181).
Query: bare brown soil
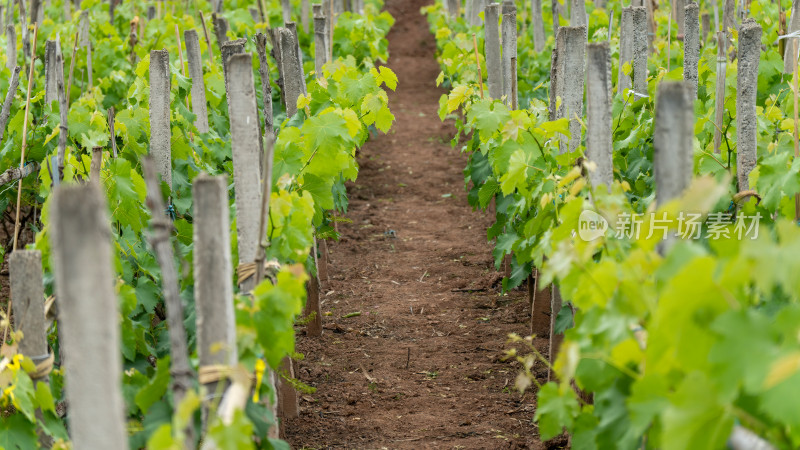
point(420, 367)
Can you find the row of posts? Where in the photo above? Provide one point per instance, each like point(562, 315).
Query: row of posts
point(83, 249)
point(579, 67)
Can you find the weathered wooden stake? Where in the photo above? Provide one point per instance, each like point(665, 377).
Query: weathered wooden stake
point(213, 288)
point(12, 91)
point(160, 133)
point(199, 107)
point(746, 92)
point(24, 139)
point(88, 316)
point(207, 37)
point(491, 50)
point(625, 49)
point(691, 48)
point(160, 240)
point(598, 113)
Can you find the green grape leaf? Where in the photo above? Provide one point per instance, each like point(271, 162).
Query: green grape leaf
point(556, 409)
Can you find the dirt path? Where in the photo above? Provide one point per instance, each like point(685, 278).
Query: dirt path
point(420, 367)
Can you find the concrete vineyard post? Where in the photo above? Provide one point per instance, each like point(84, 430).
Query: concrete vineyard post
point(640, 40)
point(160, 240)
point(577, 14)
point(320, 41)
point(227, 50)
point(288, 401)
point(50, 85)
point(555, 340)
point(312, 308)
point(111, 131)
point(213, 288)
point(96, 165)
point(160, 133)
point(220, 30)
point(266, 87)
point(509, 37)
point(11, 47)
point(680, 16)
point(555, 8)
point(294, 80)
point(625, 49)
point(63, 109)
point(27, 293)
point(570, 81)
point(292, 26)
point(491, 49)
point(26, 38)
point(672, 141)
point(453, 8)
point(555, 73)
point(598, 113)
point(199, 107)
point(691, 48)
point(537, 23)
point(729, 16)
point(477, 7)
point(705, 20)
point(746, 91)
point(286, 9)
point(85, 41)
point(794, 25)
point(304, 13)
point(88, 317)
point(719, 104)
point(245, 146)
